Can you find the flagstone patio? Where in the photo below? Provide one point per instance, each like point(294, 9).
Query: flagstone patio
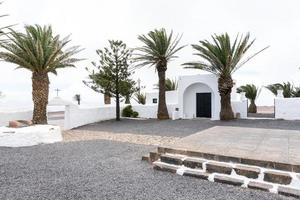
point(273, 148)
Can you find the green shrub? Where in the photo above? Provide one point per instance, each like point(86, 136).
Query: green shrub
point(135, 114)
point(128, 112)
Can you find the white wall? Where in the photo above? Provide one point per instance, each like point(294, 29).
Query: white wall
point(150, 111)
point(240, 107)
point(207, 82)
point(75, 117)
point(171, 97)
point(5, 117)
point(287, 108)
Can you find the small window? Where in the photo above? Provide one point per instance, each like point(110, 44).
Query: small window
point(154, 100)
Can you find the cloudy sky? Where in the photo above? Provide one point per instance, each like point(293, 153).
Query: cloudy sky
point(93, 22)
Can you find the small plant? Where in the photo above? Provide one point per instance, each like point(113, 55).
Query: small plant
point(128, 112)
point(135, 114)
point(141, 98)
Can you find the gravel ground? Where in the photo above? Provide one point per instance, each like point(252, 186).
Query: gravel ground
point(182, 128)
point(156, 140)
point(101, 170)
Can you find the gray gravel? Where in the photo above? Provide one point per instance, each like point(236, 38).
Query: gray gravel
point(101, 170)
point(181, 128)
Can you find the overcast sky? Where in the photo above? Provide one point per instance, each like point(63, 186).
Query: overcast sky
point(93, 22)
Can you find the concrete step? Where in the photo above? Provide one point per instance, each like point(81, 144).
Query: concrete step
point(228, 180)
point(290, 192)
point(238, 160)
point(196, 174)
point(277, 177)
point(249, 172)
point(194, 163)
point(260, 186)
point(216, 167)
point(250, 176)
point(172, 159)
point(165, 167)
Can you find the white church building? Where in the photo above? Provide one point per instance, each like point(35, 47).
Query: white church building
point(198, 96)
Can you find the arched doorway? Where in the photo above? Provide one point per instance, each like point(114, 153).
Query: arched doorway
point(198, 101)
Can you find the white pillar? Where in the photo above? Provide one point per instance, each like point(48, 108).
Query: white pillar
point(280, 94)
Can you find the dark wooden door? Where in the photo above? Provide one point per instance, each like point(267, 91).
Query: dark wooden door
point(203, 105)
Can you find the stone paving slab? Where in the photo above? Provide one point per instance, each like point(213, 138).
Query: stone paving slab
point(273, 147)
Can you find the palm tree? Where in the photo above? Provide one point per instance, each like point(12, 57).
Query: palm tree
point(287, 88)
point(159, 48)
point(40, 52)
point(223, 58)
point(251, 92)
point(170, 84)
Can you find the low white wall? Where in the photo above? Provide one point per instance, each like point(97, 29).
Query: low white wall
point(75, 117)
point(150, 111)
point(5, 117)
point(287, 108)
point(240, 107)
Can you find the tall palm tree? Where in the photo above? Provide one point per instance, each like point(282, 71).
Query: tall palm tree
point(223, 58)
point(159, 48)
point(40, 52)
point(251, 93)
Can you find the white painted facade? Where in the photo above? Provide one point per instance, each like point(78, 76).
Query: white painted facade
point(287, 108)
point(171, 97)
point(188, 86)
point(185, 96)
point(181, 104)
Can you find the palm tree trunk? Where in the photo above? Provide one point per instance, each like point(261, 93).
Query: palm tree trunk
point(252, 107)
point(40, 93)
point(225, 85)
point(162, 112)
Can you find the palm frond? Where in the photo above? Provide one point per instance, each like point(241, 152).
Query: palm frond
point(158, 47)
point(251, 91)
point(222, 57)
point(38, 50)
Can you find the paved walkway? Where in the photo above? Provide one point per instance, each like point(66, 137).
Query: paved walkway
point(273, 145)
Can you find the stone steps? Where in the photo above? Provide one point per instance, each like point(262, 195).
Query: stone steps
point(251, 176)
point(222, 158)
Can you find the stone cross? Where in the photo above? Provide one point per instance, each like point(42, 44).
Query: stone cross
point(57, 91)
